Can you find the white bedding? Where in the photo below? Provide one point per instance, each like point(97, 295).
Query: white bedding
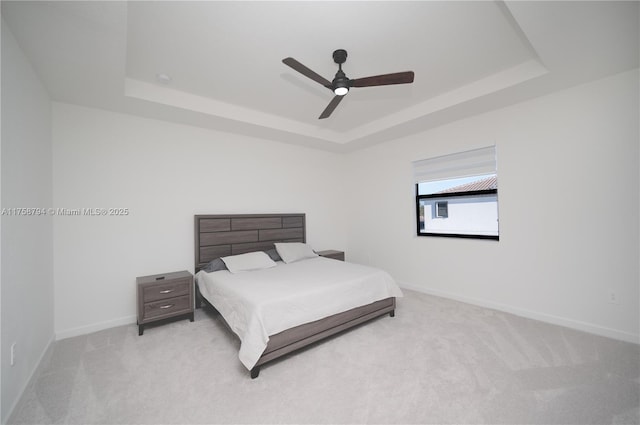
point(260, 303)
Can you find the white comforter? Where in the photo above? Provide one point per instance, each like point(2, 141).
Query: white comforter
point(260, 303)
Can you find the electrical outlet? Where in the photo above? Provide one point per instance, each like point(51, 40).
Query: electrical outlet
point(613, 297)
point(13, 354)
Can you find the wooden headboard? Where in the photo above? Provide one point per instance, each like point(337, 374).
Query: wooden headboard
point(221, 235)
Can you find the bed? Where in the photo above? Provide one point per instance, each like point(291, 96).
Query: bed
point(249, 301)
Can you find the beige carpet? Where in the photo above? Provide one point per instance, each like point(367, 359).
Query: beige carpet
point(437, 361)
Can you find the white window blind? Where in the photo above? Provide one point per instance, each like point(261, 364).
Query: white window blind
point(463, 164)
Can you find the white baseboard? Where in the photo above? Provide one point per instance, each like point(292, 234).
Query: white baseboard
point(543, 317)
point(36, 368)
point(95, 327)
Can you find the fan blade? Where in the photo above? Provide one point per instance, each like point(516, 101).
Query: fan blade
point(384, 80)
point(330, 107)
point(306, 72)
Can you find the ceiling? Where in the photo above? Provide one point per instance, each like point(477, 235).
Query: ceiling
point(225, 60)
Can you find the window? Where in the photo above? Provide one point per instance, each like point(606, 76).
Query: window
point(457, 195)
point(442, 210)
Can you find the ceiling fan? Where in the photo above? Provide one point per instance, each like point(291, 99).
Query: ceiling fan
point(341, 84)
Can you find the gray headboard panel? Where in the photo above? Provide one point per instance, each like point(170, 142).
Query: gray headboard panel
point(231, 234)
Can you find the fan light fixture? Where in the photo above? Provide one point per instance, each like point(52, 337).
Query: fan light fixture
point(341, 90)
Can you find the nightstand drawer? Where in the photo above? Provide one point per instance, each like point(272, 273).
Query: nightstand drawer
point(167, 307)
point(171, 289)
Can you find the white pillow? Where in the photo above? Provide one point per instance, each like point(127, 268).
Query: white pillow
point(250, 261)
point(294, 251)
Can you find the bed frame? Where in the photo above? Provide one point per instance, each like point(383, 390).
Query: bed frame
point(222, 235)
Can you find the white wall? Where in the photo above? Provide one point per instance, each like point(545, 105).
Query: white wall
point(27, 260)
point(165, 173)
point(568, 207)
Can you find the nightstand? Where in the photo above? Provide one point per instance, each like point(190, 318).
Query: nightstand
point(330, 253)
point(162, 296)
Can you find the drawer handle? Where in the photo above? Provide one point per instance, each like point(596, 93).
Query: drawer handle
point(166, 291)
point(166, 306)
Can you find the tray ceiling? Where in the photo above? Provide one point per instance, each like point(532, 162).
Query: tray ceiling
point(225, 69)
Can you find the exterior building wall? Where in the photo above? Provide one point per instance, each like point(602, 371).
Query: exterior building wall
point(475, 215)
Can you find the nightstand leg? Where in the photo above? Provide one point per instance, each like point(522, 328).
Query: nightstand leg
point(191, 317)
point(140, 329)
